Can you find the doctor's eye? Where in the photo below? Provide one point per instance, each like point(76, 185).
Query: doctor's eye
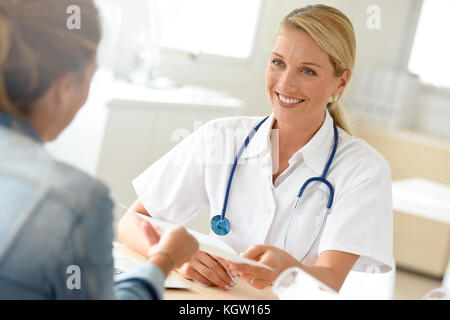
point(277, 62)
point(308, 72)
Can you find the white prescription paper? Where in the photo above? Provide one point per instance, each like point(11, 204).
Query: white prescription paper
point(208, 243)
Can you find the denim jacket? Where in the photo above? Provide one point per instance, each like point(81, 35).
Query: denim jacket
point(56, 228)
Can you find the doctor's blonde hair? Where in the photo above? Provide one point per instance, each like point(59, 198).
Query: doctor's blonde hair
point(37, 47)
point(334, 33)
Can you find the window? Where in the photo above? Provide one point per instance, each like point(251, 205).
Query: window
point(217, 27)
point(430, 55)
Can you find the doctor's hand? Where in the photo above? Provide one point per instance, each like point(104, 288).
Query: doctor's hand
point(208, 269)
point(171, 249)
point(273, 257)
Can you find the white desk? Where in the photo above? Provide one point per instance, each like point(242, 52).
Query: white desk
point(422, 198)
point(421, 225)
point(242, 291)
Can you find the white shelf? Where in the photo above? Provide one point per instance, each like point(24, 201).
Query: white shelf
point(185, 95)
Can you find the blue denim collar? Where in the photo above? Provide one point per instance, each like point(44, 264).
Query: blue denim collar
point(19, 125)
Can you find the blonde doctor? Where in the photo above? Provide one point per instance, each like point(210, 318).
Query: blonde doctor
point(301, 191)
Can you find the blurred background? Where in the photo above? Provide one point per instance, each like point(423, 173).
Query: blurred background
point(168, 66)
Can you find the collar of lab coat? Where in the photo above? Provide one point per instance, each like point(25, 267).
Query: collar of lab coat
point(315, 153)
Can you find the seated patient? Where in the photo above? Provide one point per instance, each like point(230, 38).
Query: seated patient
point(56, 222)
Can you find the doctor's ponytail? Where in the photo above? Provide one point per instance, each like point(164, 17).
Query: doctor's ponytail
point(334, 33)
point(37, 47)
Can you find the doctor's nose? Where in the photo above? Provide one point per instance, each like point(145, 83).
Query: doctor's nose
point(288, 82)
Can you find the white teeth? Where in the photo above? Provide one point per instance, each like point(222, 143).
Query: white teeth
point(289, 101)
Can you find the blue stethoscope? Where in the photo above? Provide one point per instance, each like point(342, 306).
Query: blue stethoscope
point(220, 224)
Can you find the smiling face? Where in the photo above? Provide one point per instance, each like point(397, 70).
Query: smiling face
point(300, 79)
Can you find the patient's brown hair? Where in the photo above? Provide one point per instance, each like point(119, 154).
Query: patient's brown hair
point(37, 47)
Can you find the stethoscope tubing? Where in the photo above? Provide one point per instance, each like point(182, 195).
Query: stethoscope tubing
point(236, 160)
point(321, 179)
point(219, 224)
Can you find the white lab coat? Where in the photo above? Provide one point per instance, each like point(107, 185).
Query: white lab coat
point(195, 172)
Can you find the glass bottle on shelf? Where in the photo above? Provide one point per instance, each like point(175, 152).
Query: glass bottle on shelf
point(146, 46)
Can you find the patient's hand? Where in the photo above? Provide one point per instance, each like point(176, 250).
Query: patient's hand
point(171, 249)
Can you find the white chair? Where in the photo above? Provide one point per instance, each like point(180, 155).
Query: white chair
point(446, 280)
point(443, 292)
point(369, 286)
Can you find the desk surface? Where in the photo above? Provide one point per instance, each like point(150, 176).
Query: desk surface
point(242, 291)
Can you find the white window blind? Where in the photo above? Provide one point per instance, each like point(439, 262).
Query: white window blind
point(217, 27)
point(430, 55)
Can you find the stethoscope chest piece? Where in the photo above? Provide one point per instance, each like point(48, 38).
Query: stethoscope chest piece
point(219, 225)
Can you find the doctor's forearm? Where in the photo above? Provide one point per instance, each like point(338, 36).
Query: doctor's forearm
point(325, 274)
point(332, 267)
point(131, 235)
